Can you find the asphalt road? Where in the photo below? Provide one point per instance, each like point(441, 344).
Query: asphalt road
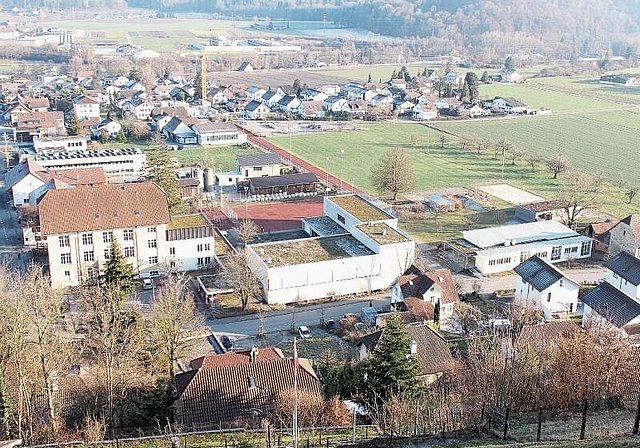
point(10, 232)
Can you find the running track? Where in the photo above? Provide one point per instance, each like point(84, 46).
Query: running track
point(300, 163)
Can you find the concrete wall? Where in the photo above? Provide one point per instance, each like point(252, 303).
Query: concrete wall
point(621, 238)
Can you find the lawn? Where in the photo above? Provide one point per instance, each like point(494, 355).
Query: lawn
point(222, 158)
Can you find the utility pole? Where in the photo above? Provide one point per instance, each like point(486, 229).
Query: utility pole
point(7, 154)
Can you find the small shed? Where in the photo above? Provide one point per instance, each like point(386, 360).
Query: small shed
point(440, 203)
point(287, 183)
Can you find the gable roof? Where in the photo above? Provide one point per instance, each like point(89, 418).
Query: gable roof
point(218, 126)
point(71, 176)
point(103, 207)
point(433, 352)
point(545, 333)
point(612, 304)
point(259, 159)
point(626, 266)
point(414, 283)
point(284, 180)
point(234, 393)
point(600, 228)
point(538, 273)
point(633, 221)
point(235, 358)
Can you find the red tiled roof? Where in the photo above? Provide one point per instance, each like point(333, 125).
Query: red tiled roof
point(235, 393)
point(235, 358)
point(444, 279)
point(101, 207)
point(600, 228)
point(415, 283)
point(546, 333)
point(40, 119)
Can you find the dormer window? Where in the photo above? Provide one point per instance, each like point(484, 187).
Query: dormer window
point(252, 383)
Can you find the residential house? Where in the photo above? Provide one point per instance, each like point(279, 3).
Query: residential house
point(354, 247)
point(138, 108)
point(312, 95)
point(179, 131)
point(313, 109)
point(14, 110)
point(511, 75)
point(507, 105)
point(254, 93)
point(271, 98)
point(625, 236)
point(81, 223)
point(218, 134)
point(500, 249)
point(111, 127)
point(335, 105)
point(289, 104)
point(256, 110)
point(402, 106)
point(37, 104)
point(238, 388)
point(357, 108)
point(423, 292)
point(540, 283)
point(245, 67)
point(27, 176)
point(38, 125)
point(425, 111)
point(381, 100)
point(472, 110)
point(426, 346)
point(454, 78)
point(617, 299)
point(219, 95)
point(134, 84)
point(86, 108)
point(258, 165)
point(398, 83)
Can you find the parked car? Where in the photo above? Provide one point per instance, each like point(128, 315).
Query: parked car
point(331, 326)
point(147, 284)
point(226, 342)
point(304, 332)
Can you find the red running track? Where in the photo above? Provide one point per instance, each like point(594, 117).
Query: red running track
point(303, 164)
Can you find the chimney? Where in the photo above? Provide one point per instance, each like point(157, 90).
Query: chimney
point(413, 347)
point(253, 354)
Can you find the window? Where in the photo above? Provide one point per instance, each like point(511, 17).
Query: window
point(88, 256)
point(128, 235)
point(585, 249)
point(172, 251)
point(154, 273)
point(67, 274)
point(151, 229)
point(107, 254)
point(200, 261)
point(91, 273)
point(129, 252)
point(172, 264)
point(153, 260)
point(65, 258)
point(544, 254)
point(555, 252)
point(64, 241)
point(548, 297)
point(107, 237)
point(570, 250)
point(341, 219)
point(560, 284)
point(499, 261)
point(153, 243)
point(87, 238)
point(257, 168)
point(207, 260)
point(524, 256)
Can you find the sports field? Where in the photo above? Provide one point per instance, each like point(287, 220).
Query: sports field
point(223, 158)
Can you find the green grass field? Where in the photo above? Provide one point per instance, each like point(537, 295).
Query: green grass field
point(223, 158)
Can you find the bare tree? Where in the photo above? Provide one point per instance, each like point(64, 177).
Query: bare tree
point(470, 218)
point(240, 277)
point(558, 164)
point(466, 142)
point(393, 173)
point(466, 318)
point(534, 161)
point(175, 322)
point(515, 153)
point(247, 231)
point(442, 139)
point(415, 139)
point(579, 192)
point(631, 191)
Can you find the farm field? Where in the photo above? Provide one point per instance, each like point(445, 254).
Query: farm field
point(601, 142)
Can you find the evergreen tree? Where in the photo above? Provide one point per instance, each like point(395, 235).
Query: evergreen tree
point(73, 126)
point(134, 73)
point(485, 77)
point(436, 312)
point(160, 170)
point(117, 274)
point(121, 137)
point(369, 79)
point(104, 136)
point(390, 369)
point(470, 86)
point(509, 63)
point(394, 74)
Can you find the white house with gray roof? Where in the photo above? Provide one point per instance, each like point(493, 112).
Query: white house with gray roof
point(258, 165)
point(218, 134)
point(617, 298)
point(354, 248)
point(541, 283)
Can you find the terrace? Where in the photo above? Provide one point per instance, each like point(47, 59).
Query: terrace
point(310, 250)
point(382, 233)
point(222, 246)
point(360, 208)
point(324, 226)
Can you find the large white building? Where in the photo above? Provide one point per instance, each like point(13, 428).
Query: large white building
point(500, 249)
point(80, 225)
point(119, 164)
point(355, 247)
point(60, 143)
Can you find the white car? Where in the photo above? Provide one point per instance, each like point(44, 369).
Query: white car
point(304, 332)
point(147, 284)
